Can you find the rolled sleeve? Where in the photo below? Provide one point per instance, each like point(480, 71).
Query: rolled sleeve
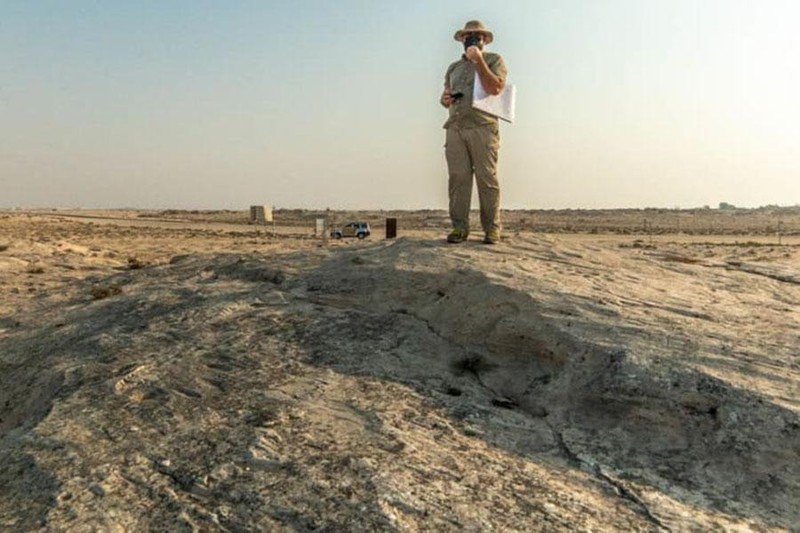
point(498, 66)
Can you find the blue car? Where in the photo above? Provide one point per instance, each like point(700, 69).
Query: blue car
point(354, 229)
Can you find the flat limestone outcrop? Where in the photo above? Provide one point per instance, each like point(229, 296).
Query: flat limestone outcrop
point(540, 384)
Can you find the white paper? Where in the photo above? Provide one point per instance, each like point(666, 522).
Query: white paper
point(500, 106)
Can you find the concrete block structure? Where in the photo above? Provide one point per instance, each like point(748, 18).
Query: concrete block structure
point(260, 214)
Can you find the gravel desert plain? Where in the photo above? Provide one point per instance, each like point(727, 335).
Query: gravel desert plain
point(619, 370)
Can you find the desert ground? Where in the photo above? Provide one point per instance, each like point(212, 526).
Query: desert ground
point(620, 370)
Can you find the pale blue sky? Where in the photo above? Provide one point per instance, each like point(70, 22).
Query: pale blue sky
point(314, 104)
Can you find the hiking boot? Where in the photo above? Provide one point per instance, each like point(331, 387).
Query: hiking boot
point(457, 235)
point(492, 237)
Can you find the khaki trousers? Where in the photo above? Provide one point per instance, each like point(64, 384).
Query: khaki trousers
point(473, 152)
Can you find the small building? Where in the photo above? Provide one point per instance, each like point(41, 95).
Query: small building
point(260, 214)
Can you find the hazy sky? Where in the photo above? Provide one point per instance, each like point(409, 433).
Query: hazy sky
point(314, 104)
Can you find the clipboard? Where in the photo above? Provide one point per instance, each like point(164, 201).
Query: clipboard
point(500, 106)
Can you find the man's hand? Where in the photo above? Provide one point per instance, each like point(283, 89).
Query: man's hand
point(474, 54)
point(491, 83)
point(447, 97)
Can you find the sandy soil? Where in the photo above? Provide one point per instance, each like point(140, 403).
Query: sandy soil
point(187, 371)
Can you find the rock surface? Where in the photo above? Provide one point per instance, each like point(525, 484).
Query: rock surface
point(198, 378)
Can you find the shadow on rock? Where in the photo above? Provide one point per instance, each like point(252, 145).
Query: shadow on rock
point(479, 348)
point(180, 382)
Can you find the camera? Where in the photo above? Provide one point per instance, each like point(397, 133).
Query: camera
point(473, 39)
point(456, 96)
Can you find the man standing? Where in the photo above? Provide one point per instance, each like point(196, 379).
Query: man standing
point(473, 137)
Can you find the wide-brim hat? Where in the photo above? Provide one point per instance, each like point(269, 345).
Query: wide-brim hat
point(475, 26)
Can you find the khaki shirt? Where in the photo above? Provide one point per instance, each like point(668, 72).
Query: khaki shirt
point(460, 77)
